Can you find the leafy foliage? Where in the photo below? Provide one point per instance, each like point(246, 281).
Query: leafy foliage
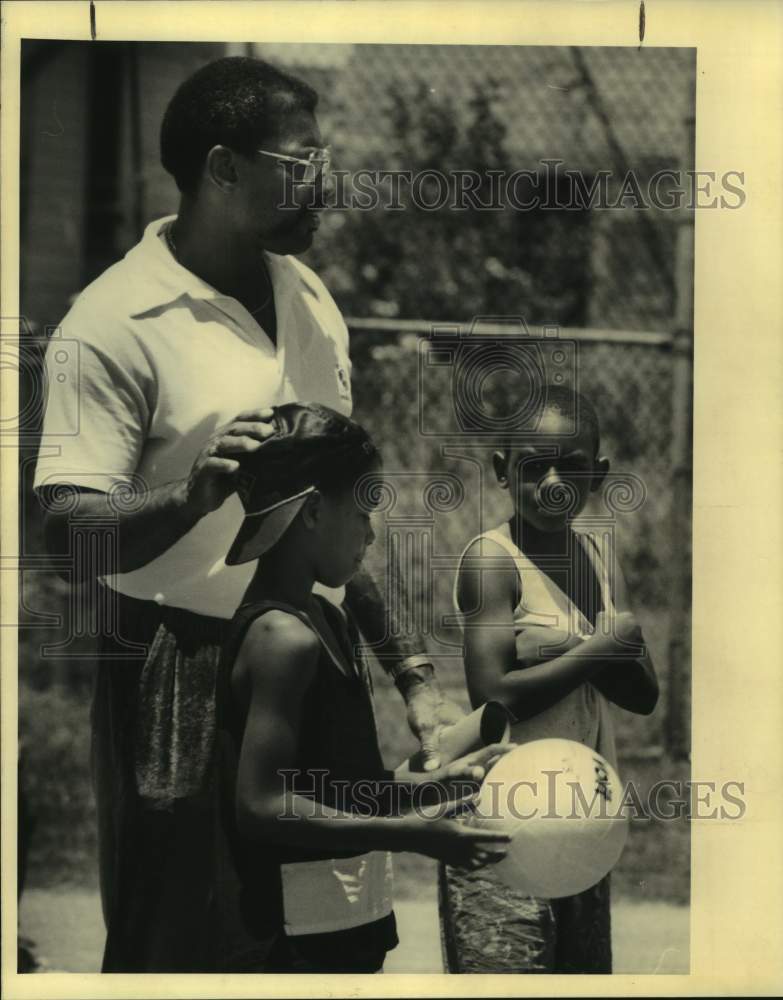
point(459, 258)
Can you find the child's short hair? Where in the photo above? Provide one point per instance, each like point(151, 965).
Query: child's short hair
point(574, 407)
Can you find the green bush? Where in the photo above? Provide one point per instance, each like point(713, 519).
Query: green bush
point(54, 731)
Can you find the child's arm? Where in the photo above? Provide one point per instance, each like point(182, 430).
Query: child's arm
point(274, 669)
point(491, 662)
point(630, 683)
point(538, 643)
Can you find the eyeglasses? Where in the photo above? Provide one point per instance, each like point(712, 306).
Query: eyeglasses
point(304, 171)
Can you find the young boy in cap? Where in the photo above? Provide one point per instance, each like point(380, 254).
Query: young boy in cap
point(308, 813)
point(545, 634)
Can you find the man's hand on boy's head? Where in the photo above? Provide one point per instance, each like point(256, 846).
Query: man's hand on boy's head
point(211, 478)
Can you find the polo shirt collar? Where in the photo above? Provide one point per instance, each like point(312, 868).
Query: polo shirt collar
point(163, 278)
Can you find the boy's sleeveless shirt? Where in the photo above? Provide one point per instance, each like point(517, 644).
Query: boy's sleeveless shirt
point(340, 900)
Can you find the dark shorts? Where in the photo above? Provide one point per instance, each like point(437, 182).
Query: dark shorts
point(169, 891)
point(487, 927)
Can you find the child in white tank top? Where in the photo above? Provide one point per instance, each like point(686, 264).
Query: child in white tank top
point(583, 714)
point(543, 635)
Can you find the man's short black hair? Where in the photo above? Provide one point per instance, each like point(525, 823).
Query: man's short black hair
point(234, 102)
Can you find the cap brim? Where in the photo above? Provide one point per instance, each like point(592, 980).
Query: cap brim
point(259, 533)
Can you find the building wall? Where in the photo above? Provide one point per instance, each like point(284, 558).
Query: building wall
point(53, 181)
point(161, 67)
point(60, 141)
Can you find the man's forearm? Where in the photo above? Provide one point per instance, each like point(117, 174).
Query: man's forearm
point(143, 526)
point(400, 649)
point(382, 627)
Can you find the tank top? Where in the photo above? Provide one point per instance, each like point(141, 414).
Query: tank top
point(334, 902)
point(583, 715)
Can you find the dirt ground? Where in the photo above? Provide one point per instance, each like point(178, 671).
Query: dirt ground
point(647, 937)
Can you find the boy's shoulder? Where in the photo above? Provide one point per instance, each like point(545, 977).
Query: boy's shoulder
point(487, 570)
point(493, 544)
point(276, 626)
point(277, 640)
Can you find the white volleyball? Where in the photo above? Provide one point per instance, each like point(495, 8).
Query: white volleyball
point(561, 803)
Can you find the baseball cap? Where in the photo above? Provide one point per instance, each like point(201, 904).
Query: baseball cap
point(312, 446)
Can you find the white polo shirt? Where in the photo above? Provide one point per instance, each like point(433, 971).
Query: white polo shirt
point(154, 361)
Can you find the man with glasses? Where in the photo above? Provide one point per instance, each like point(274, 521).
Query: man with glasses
point(183, 346)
